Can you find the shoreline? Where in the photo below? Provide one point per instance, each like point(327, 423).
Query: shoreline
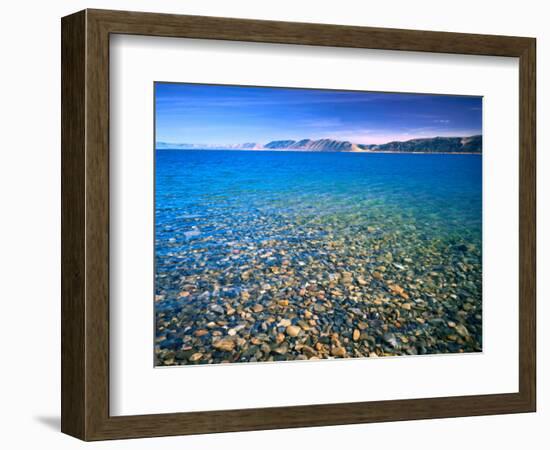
point(315, 151)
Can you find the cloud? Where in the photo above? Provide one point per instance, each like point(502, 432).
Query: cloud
point(320, 123)
point(227, 101)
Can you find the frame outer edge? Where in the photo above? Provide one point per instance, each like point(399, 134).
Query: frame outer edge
point(73, 226)
point(528, 224)
point(96, 201)
point(307, 33)
point(85, 225)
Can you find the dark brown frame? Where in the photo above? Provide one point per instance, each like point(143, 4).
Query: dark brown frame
point(85, 224)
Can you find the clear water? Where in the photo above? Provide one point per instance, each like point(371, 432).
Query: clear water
point(219, 213)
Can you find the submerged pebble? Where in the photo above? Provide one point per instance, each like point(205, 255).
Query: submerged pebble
point(292, 275)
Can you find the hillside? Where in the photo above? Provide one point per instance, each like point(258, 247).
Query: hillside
point(470, 144)
point(321, 145)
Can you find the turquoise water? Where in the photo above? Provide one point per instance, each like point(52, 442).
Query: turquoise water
point(236, 229)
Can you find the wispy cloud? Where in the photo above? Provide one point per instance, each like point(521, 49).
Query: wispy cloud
point(241, 102)
point(231, 114)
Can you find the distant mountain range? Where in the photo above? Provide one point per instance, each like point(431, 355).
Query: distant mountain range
point(321, 145)
point(185, 146)
point(470, 144)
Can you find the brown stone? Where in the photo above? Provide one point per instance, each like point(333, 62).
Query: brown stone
point(293, 330)
point(195, 357)
point(225, 345)
point(339, 352)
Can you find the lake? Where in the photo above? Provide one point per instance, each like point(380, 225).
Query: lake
point(277, 256)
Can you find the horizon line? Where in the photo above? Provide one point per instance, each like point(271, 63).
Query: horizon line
point(316, 140)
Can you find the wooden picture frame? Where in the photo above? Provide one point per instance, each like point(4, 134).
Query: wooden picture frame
point(85, 224)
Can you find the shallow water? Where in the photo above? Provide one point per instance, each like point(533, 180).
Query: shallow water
point(236, 229)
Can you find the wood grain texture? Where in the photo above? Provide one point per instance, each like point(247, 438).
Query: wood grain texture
point(85, 224)
point(201, 27)
point(97, 225)
point(73, 111)
point(527, 225)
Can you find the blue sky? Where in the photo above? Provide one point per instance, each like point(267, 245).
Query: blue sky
point(215, 114)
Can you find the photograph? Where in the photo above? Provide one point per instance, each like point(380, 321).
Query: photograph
point(308, 224)
point(274, 222)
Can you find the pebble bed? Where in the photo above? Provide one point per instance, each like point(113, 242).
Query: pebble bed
point(302, 280)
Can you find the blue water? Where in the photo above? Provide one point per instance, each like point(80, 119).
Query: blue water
point(200, 189)
point(219, 213)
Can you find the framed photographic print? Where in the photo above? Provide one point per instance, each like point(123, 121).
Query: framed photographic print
point(270, 224)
